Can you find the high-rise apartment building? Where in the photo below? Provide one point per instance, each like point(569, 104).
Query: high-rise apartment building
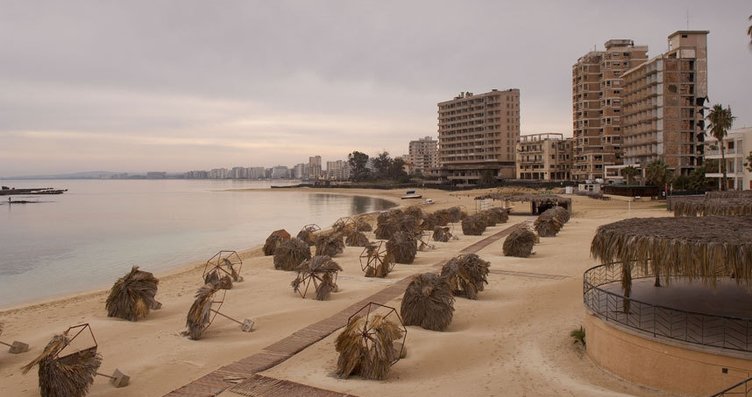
point(478, 134)
point(546, 157)
point(663, 105)
point(338, 170)
point(423, 155)
point(597, 106)
point(314, 167)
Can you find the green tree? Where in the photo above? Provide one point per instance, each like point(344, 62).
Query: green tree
point(721, 121)
point(748, 163)
point(358, 162)
point(630, 173)
point(382, 163)
point(658, 174)
point(397, 170)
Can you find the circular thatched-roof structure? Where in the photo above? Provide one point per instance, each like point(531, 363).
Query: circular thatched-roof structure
point(375, 260)
point(331, 244)
point(520, 242)
point(132, 296)
point(697, 248)
point(474, 225)
point(402, 247)
point(362, 224)
point(441, 233)
point(275, 240)
point(428, 302)
point(356, 238)
point(291, 254)
point(321, 271)
point(466, 275)
point(732, 206)
point(549, 223)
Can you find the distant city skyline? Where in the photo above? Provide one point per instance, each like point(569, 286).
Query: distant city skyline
point(151, 86)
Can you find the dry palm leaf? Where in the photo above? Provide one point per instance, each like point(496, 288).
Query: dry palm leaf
point(291, 254)
point(356, 239)
point(473, 225)
point(466, 275)
point(331, 244)
point(200, 314)
point(320, 270)
point(402, 247)
point(367, 346)
point(132, 296)
point(520, 242)
point(428, 302)
point(441, 233)
point(547, 224)
point(67, 376)
point(275, 240)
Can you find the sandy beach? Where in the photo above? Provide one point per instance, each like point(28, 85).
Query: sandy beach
point(513, 341)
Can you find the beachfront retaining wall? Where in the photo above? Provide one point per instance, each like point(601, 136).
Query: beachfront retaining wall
point(663, 364)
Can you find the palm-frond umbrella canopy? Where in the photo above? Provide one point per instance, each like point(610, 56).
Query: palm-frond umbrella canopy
point(428, 302)
point(731, 205)
point(393, 221)
point(520, 242)
point(474, 225)
point(466, 275)
point(69, 374)
point(356, 239)
point(321, 271)
point(402, 247)
point(561, 213)
point(200, 314)
point(415, 212)
point(370, 343)
point(548, 224)
point(375, 260)
point(697, 248)
point(132, 296)
point(307, 233)
point(223, 268)
point(275, 240)
point(331, 244)
point(441, 233)
point(291, 254)
point(362, 224)
point(343, 224)
point(455, 214)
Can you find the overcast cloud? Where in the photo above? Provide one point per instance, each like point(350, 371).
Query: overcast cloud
point(182, 85)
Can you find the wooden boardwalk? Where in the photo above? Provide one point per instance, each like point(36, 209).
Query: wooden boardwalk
point(245, 370)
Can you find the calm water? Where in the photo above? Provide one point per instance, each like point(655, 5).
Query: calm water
point(93, 234)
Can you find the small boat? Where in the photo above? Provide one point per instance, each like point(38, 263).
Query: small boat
point(411, 194)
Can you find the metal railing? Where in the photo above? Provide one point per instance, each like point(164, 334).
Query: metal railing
point(704, 329)
point(743, 388)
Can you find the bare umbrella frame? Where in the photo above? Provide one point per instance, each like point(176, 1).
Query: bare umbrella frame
point(306, 233)
point(371, 343)
point(322, 272)
point(205, 309)
point(375, 260)
point(223, 268)
point(66, 370)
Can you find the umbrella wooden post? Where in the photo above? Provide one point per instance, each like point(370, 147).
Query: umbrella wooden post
point(16, 347)
point(245, 326)
point(117, 379)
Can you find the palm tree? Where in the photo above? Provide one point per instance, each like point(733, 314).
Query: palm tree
point(749, 31)
point(630, 173)
point(658, 174)
point(720, 122)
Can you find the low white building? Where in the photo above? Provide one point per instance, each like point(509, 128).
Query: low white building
point(737, 145)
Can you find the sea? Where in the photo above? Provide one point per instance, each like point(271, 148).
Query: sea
point(95, 232)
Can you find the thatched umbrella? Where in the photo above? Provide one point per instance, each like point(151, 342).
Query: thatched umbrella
point(343, 224)
point(428, 302)
point(291, 254)
point(362, 224)
point(320, 270)
point(731, 206)
point(415, 212)
point(200, 314)
point(441, 233)
point(132, 296)
point(375, 260)
point(402, 247)
point(388, 222)
point(368, 344)
point(275, 240)
point(223, 268)
point(356, 239)
point(548, 224)
point(466, 275)
point(520, 242)
point(331, 244)
point(473, 225)
point(69, 375)
point(455, 214)
point(307, 233)
point(561, 213)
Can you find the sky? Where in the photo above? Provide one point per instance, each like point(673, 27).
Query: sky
point(136, 86)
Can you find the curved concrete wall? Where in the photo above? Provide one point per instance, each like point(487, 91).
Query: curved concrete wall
point(663, 364)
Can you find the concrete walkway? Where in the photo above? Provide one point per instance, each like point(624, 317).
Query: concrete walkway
point(241, 376)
